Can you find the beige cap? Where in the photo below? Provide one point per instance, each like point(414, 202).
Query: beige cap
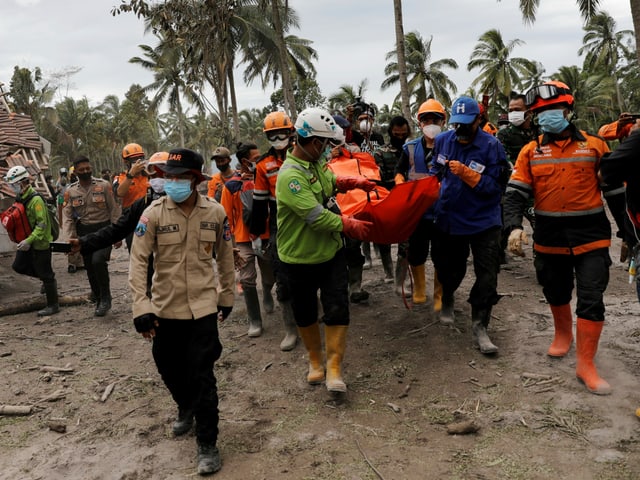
point(221, 152)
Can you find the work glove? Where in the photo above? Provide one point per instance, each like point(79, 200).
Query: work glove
point(463, 172)
point(146, 323)
point(356, 229)
point(398, 179)
point(24, 246)
point(516, 238)
point(223, 312)
point(346, 183)
point(256, 244)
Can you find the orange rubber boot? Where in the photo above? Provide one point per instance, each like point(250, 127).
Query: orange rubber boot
point(311, 338)
point(587, 338)
point(563, 334)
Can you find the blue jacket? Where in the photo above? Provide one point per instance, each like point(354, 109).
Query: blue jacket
point(417, 164)
point(462, 210)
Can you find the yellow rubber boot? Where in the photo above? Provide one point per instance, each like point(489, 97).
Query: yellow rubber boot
point(437, 293)
point(419, 285)
point(563, 333)
point(336, 340)
point(311, 338)
point(587, 338)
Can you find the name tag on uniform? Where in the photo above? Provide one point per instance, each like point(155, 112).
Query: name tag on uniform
point(441, 159)
point(476, 167)
point(168, 228)
point(209, 226)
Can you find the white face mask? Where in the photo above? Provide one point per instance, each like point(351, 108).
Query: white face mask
point(516, 118)
point(16, 187)
point(157, 184)
point(280, 144)
point(430, 131)
point(365, 126)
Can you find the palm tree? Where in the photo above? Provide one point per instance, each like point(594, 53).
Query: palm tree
point(347, 95)
point(425, 78)
point(166, 63)
point(402, 63)
point(500, 73)
point(605, 48)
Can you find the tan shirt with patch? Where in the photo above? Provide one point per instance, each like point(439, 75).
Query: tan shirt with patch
point(90, 205)
point(185, 285)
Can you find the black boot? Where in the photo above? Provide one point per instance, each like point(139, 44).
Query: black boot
point(104, 300)
point(183, 423)
point(208, 459)
point(479, 322)
point(253, 311)
point(51, 291)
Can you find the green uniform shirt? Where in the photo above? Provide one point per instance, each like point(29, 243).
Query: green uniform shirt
point(38, 217)
point(308, 233)
point(513, 139)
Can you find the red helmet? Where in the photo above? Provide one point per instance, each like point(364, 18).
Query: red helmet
point(549, 93)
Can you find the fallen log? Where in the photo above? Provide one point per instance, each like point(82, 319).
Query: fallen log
point(33, 304)
point(15, 410)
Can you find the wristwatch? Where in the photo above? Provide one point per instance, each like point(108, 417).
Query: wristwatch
point(129, 176)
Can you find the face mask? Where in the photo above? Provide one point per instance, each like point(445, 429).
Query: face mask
point(178, 190)
point(63, 181)
point(552, 121)
point(397, 143)
point(223, 167)
point(430, 131)
point(157, 184)
point(280, 144)
point(464, 133)
point(85, 177)
point(365, 126)
point(516, 118)
point(251, 166)
point(16, 187)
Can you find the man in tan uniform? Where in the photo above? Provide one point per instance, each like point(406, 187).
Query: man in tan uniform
point(185, 232)
point(88, 206)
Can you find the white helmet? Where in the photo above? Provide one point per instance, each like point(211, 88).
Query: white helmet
point(315, 122)
point(16, 174)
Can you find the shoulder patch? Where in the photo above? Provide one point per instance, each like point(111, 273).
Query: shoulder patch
point(226, 231)
point(294, 186)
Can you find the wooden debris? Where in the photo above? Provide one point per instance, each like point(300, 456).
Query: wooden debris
point(107, 392)
point(38, 303)
point(394, 407)
point(405, 393)
point(53, 397)
point(266, 367)
point(463, 428)
point(49, 368)
point(368, 462)
point(57, 425)
point(15, 410)
point(535, 376)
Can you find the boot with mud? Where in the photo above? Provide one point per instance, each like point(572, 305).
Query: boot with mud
point(447, 316)
point(183, 422)
point(479, 323)
point(290, 329)
point(563, 331)
point(208, 459)
point(387, 265)
point(587, 339)
point(419, 284)
point(335, 340)
point(267, 298)
point(51, 291)
point(313, 343)
point(253, 311)
point(356, 293)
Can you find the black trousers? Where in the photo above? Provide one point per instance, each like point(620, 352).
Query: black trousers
point(420, 241)
point(331, 279)
point(591, 270)
point(283, 291)
point(35, 263)
point(185, 352)
point(96, 264)
point(450, 253)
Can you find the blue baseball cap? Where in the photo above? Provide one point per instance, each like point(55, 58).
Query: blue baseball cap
point(464, 110)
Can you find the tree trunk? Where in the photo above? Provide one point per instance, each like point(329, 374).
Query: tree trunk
point(287, 86)
point(234, 107)
point(180, 122)
point(402, 64)
point(635, 14)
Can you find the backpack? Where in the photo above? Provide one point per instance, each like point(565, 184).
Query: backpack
point(14, 220)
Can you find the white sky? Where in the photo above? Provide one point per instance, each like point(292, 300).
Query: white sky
point(351, 37)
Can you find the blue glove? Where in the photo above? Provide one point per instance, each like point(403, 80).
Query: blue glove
point(24, 246)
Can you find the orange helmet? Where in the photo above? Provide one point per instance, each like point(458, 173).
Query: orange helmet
point(549, 93)
point(132, 150)
point(431, 106)
point(158, 158)
point(277, 121)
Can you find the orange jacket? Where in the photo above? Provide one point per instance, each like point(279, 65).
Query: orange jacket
point(562, 178)
point(137, 189)
point(234, 207)
point(613, 131)
point(263, 216)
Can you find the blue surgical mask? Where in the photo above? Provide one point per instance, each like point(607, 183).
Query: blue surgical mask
point(178, 190)
point(552, 121)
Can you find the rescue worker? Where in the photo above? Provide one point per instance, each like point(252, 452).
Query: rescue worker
point(33, 257)
point(415, 163)
point(132, 183)
point(473, 170)
point(184, 231)
point(222, 158)
point(126, 224)
point(387, 157)
point(573, 233)
point(310, 244)
point(278, 129)
point(74, 259)
point(88, 206)
point(237, 200)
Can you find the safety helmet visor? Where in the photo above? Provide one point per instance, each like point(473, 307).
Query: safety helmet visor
point(277, 136)
point(545, 92)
